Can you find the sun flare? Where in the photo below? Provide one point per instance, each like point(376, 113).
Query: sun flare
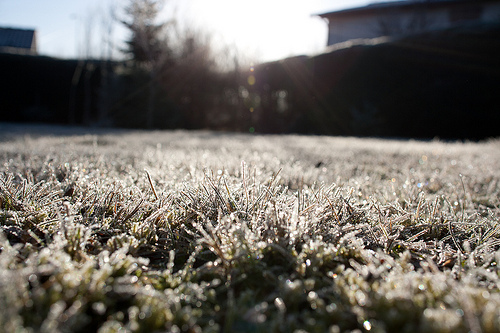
point(265, 29)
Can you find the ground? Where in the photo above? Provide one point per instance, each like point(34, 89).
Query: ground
point(114, 230)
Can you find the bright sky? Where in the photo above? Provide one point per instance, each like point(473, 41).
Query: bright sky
point(264, 29)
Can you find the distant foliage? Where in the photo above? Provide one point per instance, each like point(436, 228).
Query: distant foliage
point(146, 43)
point(441, 83)
point(174, 79)
point(436, 84)
point(49, 90)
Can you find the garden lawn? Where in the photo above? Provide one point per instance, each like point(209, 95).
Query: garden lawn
point(134, 231)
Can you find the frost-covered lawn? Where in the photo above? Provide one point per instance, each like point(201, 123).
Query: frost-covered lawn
point(118, 231)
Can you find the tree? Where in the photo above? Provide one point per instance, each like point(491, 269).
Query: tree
point(177, 77)
point(146, 44)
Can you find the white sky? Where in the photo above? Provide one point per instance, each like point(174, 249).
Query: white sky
point(263, 29)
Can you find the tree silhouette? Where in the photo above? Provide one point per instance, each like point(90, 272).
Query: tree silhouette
point(146, 44)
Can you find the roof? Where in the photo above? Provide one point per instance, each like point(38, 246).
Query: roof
point(407, 4)
point(17, 38)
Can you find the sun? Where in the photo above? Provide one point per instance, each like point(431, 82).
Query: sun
point(267, 29)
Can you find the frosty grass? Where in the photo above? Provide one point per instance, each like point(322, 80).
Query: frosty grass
point(130, 231)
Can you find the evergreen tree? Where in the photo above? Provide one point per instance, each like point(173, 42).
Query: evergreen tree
point(145, 44)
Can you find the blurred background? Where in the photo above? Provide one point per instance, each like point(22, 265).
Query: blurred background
point(410, 69)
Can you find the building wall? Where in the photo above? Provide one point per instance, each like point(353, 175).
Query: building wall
point(34, 44)
point(18, 41)
point(492, 13)
point(343, 29)
point(403, 22)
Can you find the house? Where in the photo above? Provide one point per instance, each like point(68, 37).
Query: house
point(20, 41)
point(399, 18)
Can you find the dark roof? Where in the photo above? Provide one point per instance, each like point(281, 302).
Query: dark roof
point(16, 38)
point(397, 5)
